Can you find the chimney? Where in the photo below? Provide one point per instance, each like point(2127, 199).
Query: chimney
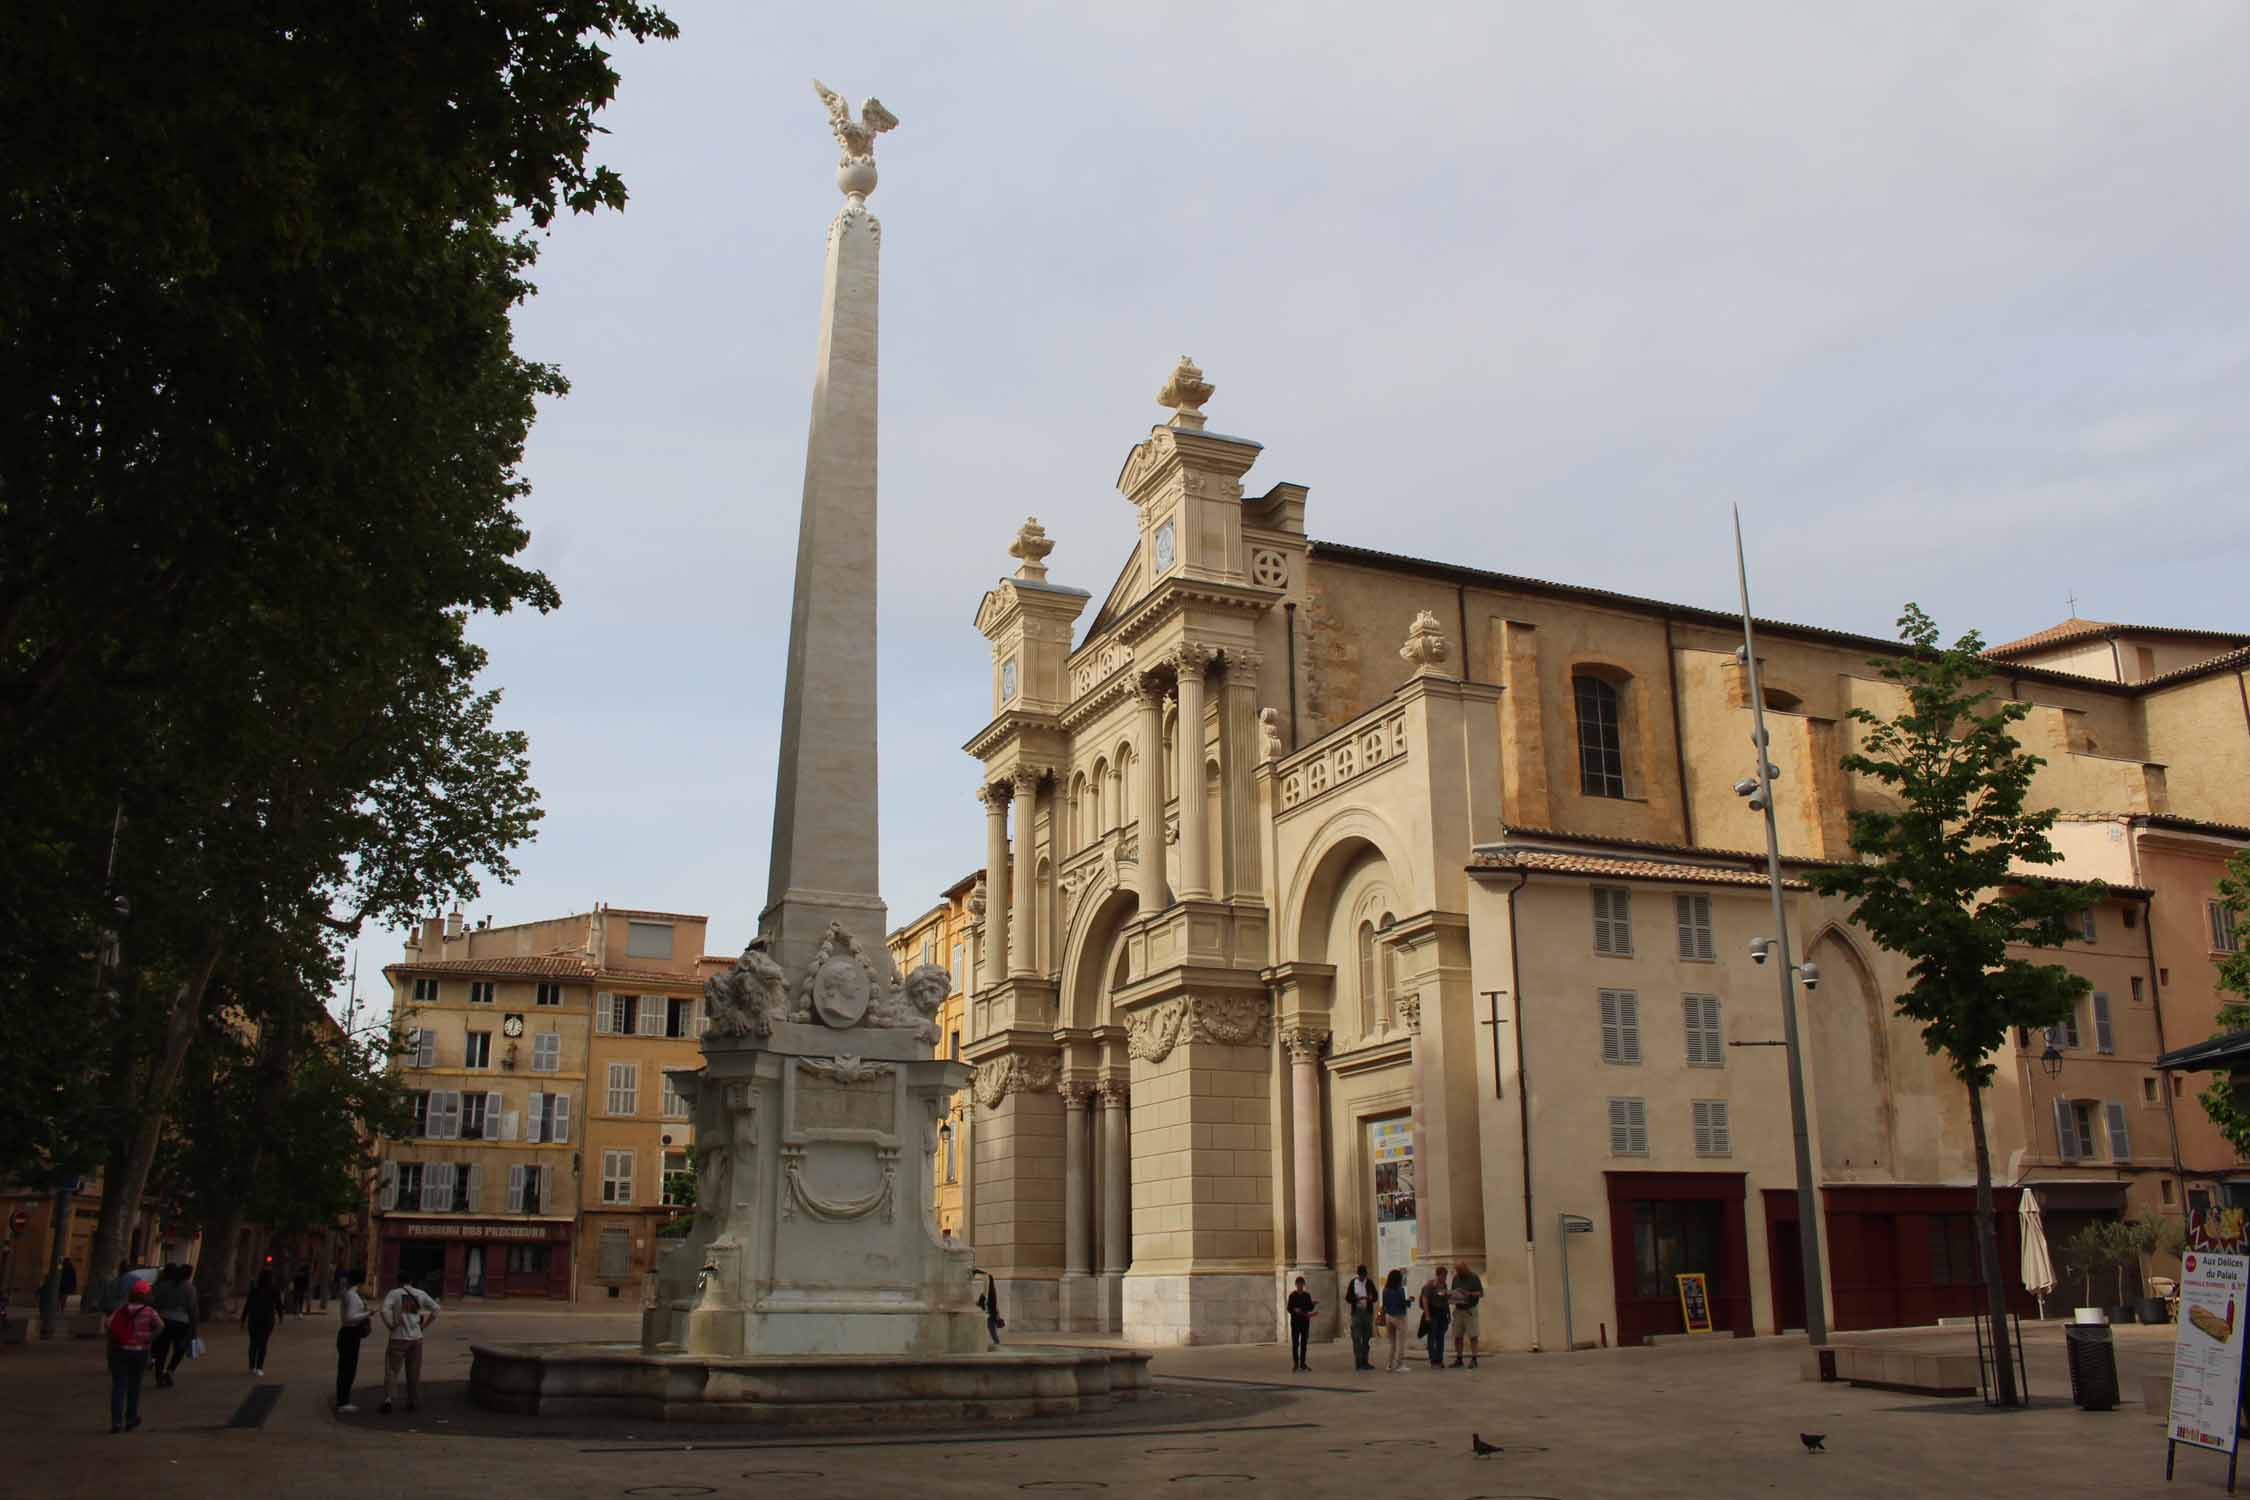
point(453, 924)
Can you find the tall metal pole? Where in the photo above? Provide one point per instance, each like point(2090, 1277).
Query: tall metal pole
point(1808, 1211)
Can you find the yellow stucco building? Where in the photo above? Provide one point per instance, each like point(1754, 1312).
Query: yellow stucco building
point(1347, 907)
point(942, 936)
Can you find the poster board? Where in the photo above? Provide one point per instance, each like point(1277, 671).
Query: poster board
point(2208, 1344)
point(1390, 1151)
point(1695, 1301)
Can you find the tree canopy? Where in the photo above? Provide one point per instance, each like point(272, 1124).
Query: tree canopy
point(2229, 1111)
point(261, 428)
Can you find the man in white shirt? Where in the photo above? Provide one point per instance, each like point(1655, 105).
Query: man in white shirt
point(408, 1313)
point(352, 1320)
point(1359, 1296)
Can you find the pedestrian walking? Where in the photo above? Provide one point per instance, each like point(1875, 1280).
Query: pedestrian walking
point(69, 1283)
point(1466, 1292)
point(1395, 1309)
point(261, 1312)
point(132, 1329)
point(176, 1303)
point(989, 1300)
point(352, 1325)
point(1437, 1311)
point(300, 1291)
point(408, 1313)
point(1359, 1297)
point(1301, 1308)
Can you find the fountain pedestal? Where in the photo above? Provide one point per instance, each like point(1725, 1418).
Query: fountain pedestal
point(814, 1232)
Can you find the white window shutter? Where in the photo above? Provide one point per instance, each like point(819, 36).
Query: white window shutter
point(1702, 1113)
point(702, 1021)
point(476, 1185)
point(1636, 1112)
point(2066, 1131)
point(515, 1189)
point(433, 1174)
point(1620, 1128)
point(1629, 1026)
point(453, 1114)
point(1613, 1046)
point(2120, 1139)
point(1621, 921)
point(510, 1123)
point(493, 1106)
point(387, 1194)
point(655, 1013)
point(562, 1119)
point(1691, 1021)
point(534, 1109)
point(601, 1013)
point(2103, 1040)
point(1604, 941)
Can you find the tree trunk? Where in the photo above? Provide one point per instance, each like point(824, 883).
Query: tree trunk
point(1988, 1257)
point(127, 1180)
point(215, 1275)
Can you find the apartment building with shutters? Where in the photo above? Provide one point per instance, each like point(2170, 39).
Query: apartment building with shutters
point(506, 1038)
point(944, 935)
point(647, 1018)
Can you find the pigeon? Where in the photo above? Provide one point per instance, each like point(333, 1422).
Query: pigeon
point(1812, 1441)
point(1481, 1448)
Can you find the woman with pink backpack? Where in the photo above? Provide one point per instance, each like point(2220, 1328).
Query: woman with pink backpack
point(132, 1328)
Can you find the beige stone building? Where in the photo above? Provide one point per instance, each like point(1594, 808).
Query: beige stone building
point(1306, 949)
point(942, 936)
point(542, 1132)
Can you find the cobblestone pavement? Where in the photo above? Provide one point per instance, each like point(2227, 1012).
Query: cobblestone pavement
point(1709, 1420)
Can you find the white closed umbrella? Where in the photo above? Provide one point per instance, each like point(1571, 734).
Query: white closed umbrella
point(2038, 1265)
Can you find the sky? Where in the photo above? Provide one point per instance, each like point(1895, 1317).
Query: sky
point(1952, 299)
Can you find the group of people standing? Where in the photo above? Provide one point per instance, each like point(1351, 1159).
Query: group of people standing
point(152, 1327)
point(1441, 1307)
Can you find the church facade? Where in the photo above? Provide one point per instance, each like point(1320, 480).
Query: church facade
point(1352, 909)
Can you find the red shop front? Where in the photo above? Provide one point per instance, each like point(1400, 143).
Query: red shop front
point(1899, 1256)
point(453, 1255)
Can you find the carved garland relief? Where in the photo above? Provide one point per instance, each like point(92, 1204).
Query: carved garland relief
point(1014, 1073)
point(1231, 1020)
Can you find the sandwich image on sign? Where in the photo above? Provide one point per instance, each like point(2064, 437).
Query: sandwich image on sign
point(2211, 1323)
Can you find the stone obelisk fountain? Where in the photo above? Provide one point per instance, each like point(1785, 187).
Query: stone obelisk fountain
point(818, 1103)
point(814, 1285)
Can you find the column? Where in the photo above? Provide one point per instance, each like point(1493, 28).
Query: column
point(1117, 1178)
point(1239, 752)
point(995, 800)
point(1078, 1249)
point(1023, 941)
point(1195, 865)
point(1305, 1047)
point(1149, 882)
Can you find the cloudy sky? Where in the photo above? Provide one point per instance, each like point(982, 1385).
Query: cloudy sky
point(1951, 298)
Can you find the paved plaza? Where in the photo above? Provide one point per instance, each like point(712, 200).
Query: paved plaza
point(1718, 1420)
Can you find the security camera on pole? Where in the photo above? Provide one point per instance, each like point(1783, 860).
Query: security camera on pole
point(1759, 789)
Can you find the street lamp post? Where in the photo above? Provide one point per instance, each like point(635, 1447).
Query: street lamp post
point(1808, 1212)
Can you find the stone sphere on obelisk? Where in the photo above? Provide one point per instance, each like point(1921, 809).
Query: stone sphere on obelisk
point(825, 867)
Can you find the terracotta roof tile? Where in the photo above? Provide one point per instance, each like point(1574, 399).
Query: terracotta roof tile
point(2075, 629)
point(1610, 867)
point(540, 966)
point(659, 916)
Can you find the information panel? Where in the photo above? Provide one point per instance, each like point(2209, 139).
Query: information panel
point(1390, 1148)
point(2207, 1350)
point(1695, 1301)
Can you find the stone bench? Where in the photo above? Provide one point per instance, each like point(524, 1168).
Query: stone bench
point(1875, 1367)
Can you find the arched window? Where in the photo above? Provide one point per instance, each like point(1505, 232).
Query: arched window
point(1386, 979)
point(1080, 837)
point(1601, 737)
point(1097, 822)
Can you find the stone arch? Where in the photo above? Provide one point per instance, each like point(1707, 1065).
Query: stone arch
point(1335, 847)
point(1102, 914)
point(1847, 1021)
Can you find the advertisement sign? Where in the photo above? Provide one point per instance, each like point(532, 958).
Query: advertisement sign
point(2207, 1350)
point(1695, 1301)
point(1390, 1148)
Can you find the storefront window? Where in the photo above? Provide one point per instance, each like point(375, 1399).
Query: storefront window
point(1671, 1238)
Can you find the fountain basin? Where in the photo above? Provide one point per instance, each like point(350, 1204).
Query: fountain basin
point(620, 1380)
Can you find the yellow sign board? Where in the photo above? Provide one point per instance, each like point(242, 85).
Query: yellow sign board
point(1695, 1301)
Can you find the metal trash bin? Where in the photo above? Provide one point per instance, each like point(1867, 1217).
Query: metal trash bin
point(2093, 1365)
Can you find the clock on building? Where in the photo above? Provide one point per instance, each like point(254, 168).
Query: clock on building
point(1008, 680)
point(1164, 547)
point(513, 1026)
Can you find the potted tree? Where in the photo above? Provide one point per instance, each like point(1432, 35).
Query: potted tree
point(2157, 1237)
point(2084, 1255)
point(2121, 1243)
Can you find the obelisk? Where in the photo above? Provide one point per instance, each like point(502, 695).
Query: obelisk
point(825, 865)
